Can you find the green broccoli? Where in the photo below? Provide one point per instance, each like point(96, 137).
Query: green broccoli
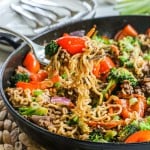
point(102, 40)
point(110, 135)
point(127, 131)
point(125, 61)
point(127, 44)
point(34, 110)
point(96, 136)
point(19, 77)
point(118, 75)
point(133, 127)
point(51, 49)
point(73, 121)
point(147, 56)
point(83, 126)
point(145, 124)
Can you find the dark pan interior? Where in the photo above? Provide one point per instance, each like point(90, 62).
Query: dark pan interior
point(106, 26)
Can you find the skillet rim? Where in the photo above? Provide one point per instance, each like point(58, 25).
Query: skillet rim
point(16, 114)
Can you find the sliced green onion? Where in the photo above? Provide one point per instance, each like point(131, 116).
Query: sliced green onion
point(148, 100)
point(132, 101)
point(129, 7)
point(116, 117)
point(64, 76)
point(57, 84)
point(37, 92)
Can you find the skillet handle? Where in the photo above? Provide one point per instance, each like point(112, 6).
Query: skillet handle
point(7, 40)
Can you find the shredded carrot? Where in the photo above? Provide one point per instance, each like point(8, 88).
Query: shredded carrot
point(91, 32)
point(55, 78)
point(115, 49)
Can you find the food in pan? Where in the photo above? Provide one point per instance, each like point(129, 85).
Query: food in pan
point(95, 88)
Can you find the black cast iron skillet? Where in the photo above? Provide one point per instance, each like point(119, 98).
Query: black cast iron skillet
point(106, 26)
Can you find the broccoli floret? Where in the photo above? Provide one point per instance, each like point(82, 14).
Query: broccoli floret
point(145, 124)
point(127, 131)
point(73, 121)
point(19, 77)
point(33, 110)
point(147, 56)
point(127, 44)
point(125, 61)
point(102, 40)
point(118, 75)
point(121, 74)
point(110, 135)
point(96, 136)
point(83, 126)
point(51, 49)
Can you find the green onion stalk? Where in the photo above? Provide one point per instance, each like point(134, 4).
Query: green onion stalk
point(133, 7)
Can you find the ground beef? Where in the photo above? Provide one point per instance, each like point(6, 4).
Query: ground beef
point(146, 86)
point(126, 88)
point(65, 57)
point(138, 90)
point(69, 93)
point(145, 42)
point(146, 70)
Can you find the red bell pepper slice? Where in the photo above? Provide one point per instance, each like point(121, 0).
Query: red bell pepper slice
point(28, 85)
point(40, 76)
point(31, 63)
point(103, 66)
point(128, 30)
point(127, 109)
point(73, 44)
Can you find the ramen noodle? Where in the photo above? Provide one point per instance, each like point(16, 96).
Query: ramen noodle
point(94, 88)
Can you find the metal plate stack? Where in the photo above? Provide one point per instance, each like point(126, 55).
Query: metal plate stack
point(31, 17)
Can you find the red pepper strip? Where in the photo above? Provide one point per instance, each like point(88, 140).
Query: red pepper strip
point(73, 44)
point(25, 85)
point(55, 78)
point(34, 85)
point(127, 109)
point(40, 76)
point(96, 69)
point(46, 84)
point(128, 30)
point(103, 67)
point(106, 125)
point(31, 63)
point(106, 64)
point(139, 136)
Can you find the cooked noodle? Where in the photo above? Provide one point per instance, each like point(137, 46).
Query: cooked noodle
point(82, 87)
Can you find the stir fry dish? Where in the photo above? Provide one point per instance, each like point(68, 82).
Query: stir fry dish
point(95, 88)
